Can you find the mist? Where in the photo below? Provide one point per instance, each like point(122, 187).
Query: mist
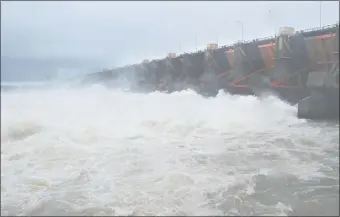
point(45, 40)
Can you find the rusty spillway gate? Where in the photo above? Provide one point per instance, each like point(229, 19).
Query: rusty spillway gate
point(323, 78)
point(298, 66)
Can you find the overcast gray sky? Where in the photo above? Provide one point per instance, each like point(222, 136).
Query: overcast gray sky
point(127, 32)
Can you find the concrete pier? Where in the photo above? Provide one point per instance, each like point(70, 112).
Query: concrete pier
point(295, 65)
point(323, 80)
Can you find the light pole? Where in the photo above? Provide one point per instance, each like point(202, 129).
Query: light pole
point(196, 43)
point(241, 29)
point(320, 13)
point(214, 31)
point(271, 19)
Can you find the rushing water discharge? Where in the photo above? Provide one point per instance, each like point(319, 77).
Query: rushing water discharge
point(98, 151)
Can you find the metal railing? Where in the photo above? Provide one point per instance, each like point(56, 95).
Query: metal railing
point(230, 46)
point(331, 26)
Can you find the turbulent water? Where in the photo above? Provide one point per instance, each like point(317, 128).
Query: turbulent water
point(98, 151)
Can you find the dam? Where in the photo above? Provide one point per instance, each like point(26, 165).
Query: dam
point(297, 66)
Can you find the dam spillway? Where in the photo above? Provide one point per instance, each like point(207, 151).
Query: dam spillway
point(298, 66)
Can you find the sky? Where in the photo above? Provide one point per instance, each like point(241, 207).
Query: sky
point(120, 33)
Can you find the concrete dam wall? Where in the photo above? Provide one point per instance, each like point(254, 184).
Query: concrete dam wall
point(298, 66)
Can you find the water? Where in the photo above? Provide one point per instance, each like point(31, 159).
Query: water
point(98, 151)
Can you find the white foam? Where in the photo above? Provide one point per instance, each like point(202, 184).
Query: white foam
point(103, 151)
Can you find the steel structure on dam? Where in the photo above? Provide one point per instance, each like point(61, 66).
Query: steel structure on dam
point(299, 66)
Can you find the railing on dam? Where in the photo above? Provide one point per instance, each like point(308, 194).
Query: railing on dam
point(258, 40)
point(320, 28)
point(273, 37)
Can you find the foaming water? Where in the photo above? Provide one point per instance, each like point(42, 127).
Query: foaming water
point(95, 151)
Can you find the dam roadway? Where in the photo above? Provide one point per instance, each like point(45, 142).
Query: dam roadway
point(298, 66)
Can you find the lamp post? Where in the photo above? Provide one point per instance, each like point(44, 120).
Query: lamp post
point(241, 29)
point(196, 43)
point(214, 31)
point(320, 13)
point(216, 36)
point(271, 18)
